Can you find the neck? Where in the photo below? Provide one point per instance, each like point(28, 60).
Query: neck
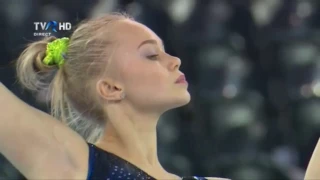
point(132, 136)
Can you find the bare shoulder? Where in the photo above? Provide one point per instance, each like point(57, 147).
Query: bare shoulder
point(76, 148)
point(37, 144)
point(314, 164)
point(70, 150)
point(174, 177)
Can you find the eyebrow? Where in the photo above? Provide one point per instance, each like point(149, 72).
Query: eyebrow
point(151, 41)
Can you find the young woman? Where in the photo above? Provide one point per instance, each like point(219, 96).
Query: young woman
point(110, 82)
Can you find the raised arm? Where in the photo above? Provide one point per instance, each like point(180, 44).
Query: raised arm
point(313, 170)
point(39, 146)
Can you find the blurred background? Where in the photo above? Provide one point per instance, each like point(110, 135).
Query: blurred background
point(253, 68)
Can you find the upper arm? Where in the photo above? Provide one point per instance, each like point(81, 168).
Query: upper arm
point(39, 146)
point(313, 171)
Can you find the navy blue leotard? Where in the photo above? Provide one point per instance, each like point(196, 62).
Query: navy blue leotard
point(107, 166)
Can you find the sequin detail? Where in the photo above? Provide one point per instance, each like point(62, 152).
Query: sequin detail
point(107, 166)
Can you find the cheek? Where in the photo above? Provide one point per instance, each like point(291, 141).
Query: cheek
point(147, 78)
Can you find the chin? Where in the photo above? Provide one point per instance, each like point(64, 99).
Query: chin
point(182, 100)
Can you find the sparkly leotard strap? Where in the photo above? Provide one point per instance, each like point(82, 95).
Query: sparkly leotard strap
point(108, 166)
point(90, 161)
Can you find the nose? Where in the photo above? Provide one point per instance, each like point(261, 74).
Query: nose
point(175, 63)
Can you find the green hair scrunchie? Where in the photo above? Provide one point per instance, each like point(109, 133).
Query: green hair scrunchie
point(55, 52)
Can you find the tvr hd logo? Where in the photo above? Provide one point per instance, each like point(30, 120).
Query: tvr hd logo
point(52, 26)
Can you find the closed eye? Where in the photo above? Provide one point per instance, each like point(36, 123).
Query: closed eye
point(153, 57)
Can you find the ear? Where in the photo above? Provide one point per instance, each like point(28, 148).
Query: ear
point(109, 90)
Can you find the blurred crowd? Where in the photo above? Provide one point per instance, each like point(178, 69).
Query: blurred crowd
point(253, 68)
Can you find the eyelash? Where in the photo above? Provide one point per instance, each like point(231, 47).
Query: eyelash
point(153, 57)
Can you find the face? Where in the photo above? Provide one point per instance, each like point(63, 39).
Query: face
point(145, 72)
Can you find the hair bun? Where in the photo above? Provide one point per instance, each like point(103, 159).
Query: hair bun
point(32, 73)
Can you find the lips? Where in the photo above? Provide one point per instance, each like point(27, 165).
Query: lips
point(181, 79)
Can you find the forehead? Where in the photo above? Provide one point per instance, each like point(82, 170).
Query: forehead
point(133, 33)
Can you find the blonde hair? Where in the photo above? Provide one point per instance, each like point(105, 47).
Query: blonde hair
point(71, 87)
